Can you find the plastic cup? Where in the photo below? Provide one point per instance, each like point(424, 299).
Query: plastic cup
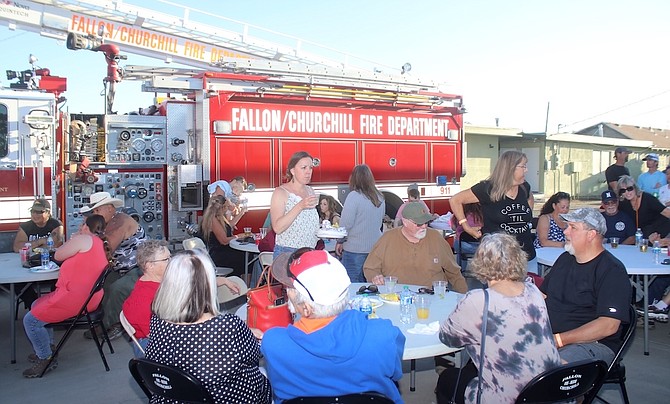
point(440, 288)
point(644, 243)
point(389, 283)
point(263, 232)
point(614, 242)
point(247, 231)
point(422, 304)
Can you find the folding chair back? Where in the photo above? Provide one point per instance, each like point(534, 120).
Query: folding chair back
point(168, 382)
point(566, 382)
point(130, 330)
point(358, 398)
point(225, 295)
point(616, 373)
point(192, 243)
point(88, 319)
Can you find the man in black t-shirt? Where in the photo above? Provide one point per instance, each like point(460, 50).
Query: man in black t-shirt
point(617, 169)
point(588, 291)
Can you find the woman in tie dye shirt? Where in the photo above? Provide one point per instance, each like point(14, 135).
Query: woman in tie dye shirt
point(519, 340)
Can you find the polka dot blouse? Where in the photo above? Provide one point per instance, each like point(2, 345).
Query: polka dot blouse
point(222, 353)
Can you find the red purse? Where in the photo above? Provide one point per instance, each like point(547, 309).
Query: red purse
point(267, 305)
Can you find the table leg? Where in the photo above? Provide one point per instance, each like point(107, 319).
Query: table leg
point(646, 314)
point(412, 375)
point(12, 323)
point(246, 268)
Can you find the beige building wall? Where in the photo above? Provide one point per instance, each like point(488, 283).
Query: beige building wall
point(482, 155)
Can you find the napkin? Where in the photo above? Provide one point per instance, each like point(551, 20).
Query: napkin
point(427, 329)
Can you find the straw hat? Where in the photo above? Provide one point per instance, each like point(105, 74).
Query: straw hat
point(99, 199)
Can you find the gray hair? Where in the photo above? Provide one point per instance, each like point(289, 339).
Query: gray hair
point(188, 289)
point(499, 257)
point(147, 251)
point(320, 310)
point(626, 181)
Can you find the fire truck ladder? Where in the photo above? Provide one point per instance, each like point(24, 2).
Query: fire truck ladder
point(55, 18)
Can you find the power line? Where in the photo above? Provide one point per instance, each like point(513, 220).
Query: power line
point(618, 108)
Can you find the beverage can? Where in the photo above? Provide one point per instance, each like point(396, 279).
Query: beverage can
point(25, 252)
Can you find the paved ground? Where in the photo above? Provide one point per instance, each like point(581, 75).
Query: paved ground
point(81, 378)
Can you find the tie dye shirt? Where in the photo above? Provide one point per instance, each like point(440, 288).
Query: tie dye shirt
point(519, 341)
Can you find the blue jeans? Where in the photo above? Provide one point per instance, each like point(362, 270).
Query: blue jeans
point(40, 336)
point(144, 342)
point(353, 262)
point(592, 350)
point(280, 249)
point(466, 248)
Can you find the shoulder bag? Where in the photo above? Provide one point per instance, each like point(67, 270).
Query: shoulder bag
point(267, 305)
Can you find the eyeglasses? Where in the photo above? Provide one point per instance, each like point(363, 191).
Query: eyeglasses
point(295, 256)
point(525, 167)
point(426, 291)
point(612, 202)
point(162, 260)
point(624, 190)
point(39, 212)
point(371, 289)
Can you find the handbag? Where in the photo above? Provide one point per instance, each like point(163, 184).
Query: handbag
point(485, 318)
point(267, 305)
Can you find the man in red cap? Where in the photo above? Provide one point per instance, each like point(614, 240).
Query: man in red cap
point(329, 351)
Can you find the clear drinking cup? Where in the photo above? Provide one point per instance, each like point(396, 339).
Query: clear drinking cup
point(422, 303)
point(614, 242)
point(440, 289)
point(390, 283)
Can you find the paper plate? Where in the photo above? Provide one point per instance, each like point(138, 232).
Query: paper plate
point(386, 297)
point(41, 270)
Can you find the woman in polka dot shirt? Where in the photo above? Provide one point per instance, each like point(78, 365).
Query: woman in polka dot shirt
point(187, 331)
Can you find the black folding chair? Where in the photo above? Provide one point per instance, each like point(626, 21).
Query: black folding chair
point(566, 382)
point(464, 257)
point(85, 319)
point(616, 373)
point(357, 398)
point(168, 382)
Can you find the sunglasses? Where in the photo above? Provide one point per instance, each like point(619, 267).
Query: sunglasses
point(426, 291)
point(371, 289)
point(624, 190)
point(295, 256)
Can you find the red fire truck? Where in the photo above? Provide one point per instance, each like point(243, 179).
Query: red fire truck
point(243, 115)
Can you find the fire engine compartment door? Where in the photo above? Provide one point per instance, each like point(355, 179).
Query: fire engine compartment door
point(397, 161)
point(333, 159)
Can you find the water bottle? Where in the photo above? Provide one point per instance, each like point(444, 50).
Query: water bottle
point(44, 258)
point(657, 252)
point(50, 243)
point(638, 237)
point(405, 305)
point(365, 306)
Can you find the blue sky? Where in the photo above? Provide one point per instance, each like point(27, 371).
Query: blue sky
point(591, 60)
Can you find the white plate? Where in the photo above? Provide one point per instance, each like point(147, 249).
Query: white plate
point(330, 234)
point(374, 301)
point(388, 301)
point(41, 270)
